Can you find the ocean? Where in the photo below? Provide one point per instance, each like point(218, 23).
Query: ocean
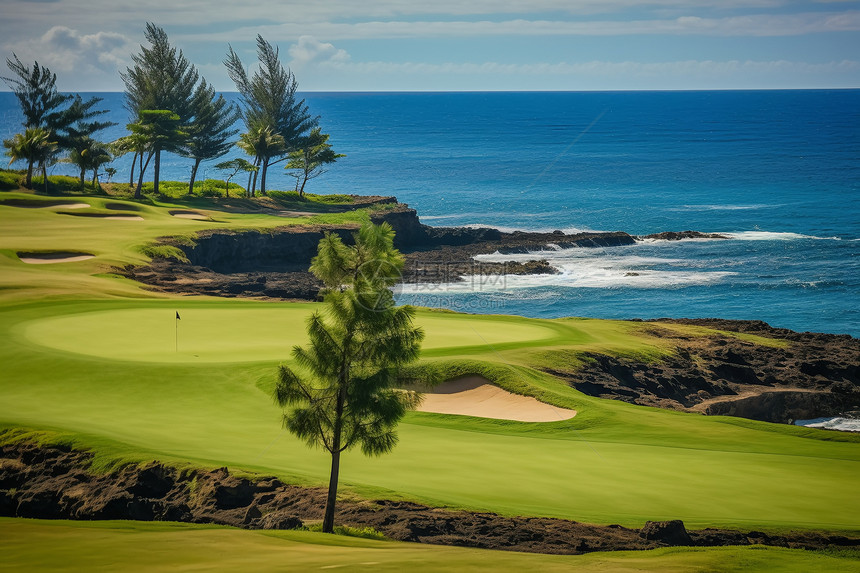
point(776, 171)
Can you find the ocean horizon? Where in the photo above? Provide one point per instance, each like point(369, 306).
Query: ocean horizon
point(777, 171)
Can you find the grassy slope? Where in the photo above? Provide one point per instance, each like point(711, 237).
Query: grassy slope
point(104, 374)
point(108, 546)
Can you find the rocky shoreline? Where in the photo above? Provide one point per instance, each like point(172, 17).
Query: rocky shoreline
point(274, 264)
point(52, 482)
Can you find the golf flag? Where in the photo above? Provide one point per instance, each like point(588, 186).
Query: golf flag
point(177, 316)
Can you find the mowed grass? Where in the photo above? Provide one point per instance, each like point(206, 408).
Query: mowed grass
point(109, 375)
point(28, 545)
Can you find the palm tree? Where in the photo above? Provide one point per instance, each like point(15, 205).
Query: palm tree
point(33, 146)
point(310, 159)
point(261, 142)
point(356, 351)
point(132, 143)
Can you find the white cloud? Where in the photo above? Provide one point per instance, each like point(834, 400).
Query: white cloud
point(755, 25)
point(65, 50)
point(310, 51)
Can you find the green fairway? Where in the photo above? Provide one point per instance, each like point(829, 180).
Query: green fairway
point(112, 545)
point(98, 362)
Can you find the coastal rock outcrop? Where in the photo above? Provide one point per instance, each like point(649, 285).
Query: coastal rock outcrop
point(800, 376)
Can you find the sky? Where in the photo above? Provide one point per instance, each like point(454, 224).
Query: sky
point(457, 45)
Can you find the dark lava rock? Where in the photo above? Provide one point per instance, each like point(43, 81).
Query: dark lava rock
point(668, 532)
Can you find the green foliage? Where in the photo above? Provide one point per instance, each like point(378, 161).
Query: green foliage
point(294, 196)
point(160, 251)
point(34, 146)
point(179, 189)
point(10, 179)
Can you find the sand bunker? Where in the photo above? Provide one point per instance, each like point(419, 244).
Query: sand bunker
point(53, 257)
point(189, 215)
point(108, 216)
point(477, 396)
point(36, 204)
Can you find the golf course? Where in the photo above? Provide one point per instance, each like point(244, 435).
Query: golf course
point(97, 362)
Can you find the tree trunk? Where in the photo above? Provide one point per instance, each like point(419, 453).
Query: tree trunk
point(304, 182)
point(131, 175)
point(193, 176)
point(157, 171)
point(95, 178)
point(263, 177)
point(331, 500)
point(83, 174)
point(254, 182)
point(45, 176)
point(227, 187)
point(28, 183)
point(143, 167)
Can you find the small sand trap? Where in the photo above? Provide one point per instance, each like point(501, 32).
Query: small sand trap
point(53, 257)
point(36, 204)
point(477, 396)
point(189, 215)
point(107, 216)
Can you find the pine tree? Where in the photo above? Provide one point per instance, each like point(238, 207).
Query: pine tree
point(269, 100)
point(357, 348)
point(210, 131)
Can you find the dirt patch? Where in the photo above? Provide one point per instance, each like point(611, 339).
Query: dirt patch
point(479, 397)
point(55, 483)
point(53, 257)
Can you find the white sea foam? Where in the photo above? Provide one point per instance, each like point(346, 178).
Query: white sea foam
point(773, 236)
point(587, 268)
point(721, 207)
point(835, 423)
point(510, 229)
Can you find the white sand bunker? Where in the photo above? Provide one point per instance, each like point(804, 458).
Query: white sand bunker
point(477, 396)
point(53, 257)
point(36, 204)
point(189, 215)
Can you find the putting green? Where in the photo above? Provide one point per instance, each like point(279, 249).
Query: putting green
point(249, 333)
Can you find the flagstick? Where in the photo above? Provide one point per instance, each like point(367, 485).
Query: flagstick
point(176, 335)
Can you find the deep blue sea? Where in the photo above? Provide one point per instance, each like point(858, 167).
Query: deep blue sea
point(778, 171)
